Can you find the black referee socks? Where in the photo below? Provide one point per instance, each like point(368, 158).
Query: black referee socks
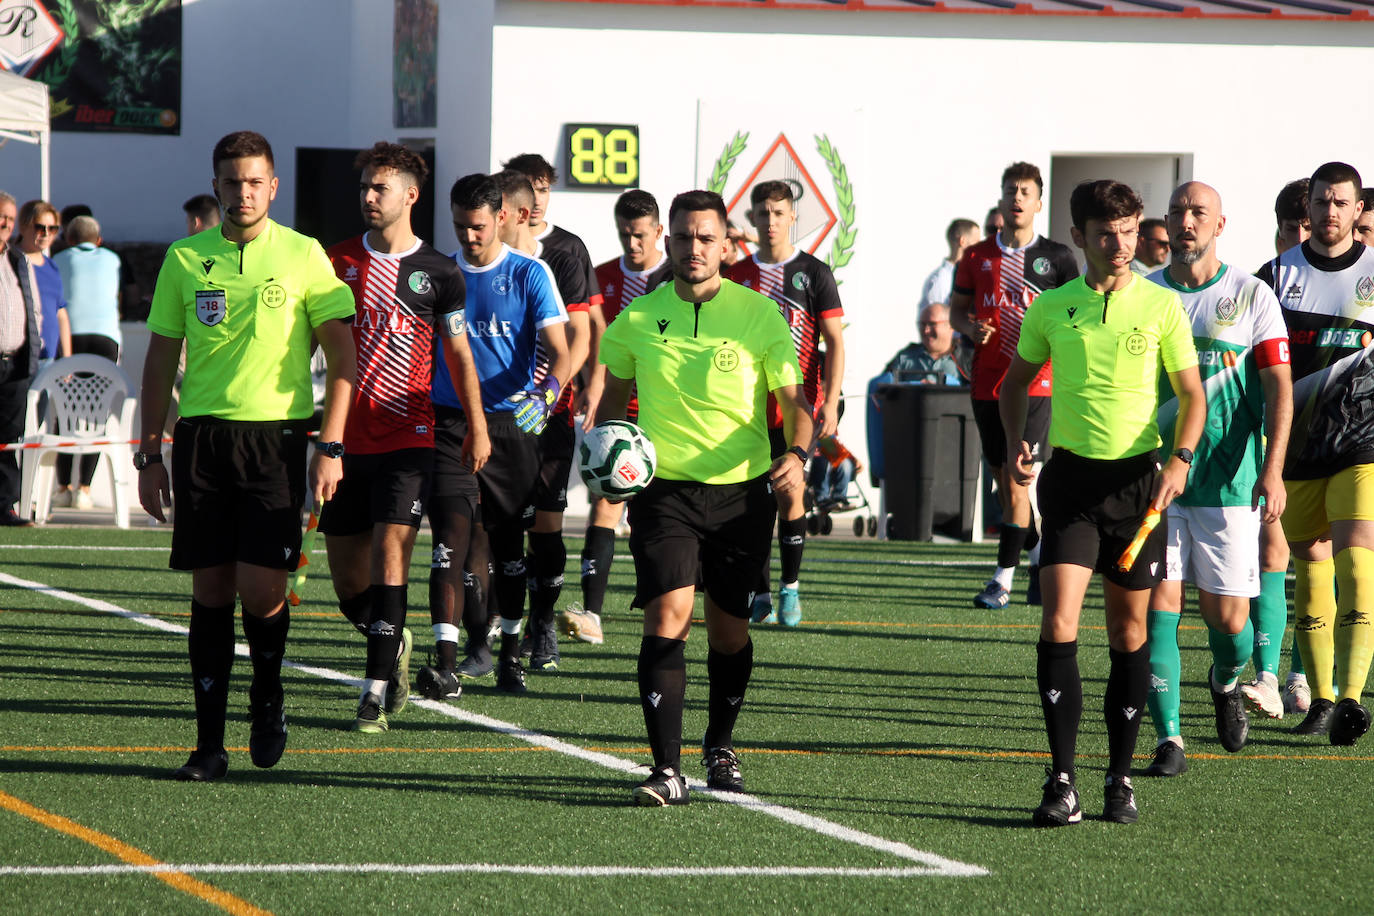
point(1061, 699)
point(1128, 689)
point(210, 645)
point(729, 677)
point(662, 691)
point(266, 637)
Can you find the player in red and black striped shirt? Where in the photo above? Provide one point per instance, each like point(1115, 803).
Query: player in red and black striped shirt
point(410, 305)
point(994, 284)
point(808, 297)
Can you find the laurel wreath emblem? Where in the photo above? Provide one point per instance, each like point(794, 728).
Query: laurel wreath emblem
point(57, 71)
point(842, 248)
point(720, 172)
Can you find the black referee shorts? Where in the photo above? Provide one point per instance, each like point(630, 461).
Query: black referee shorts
point(386, 488)
point(678, 526)
point(1091, 510)
point(239, 489)
point(990, 433)
point(556, 445)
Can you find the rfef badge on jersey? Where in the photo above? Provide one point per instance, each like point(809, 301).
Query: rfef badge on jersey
point(211, 306)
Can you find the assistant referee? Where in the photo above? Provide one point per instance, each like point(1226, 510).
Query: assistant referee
point(705, 353)
point(246, 297)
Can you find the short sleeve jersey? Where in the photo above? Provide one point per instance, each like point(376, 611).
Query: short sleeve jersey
point(508, 302)
point(1238, 330)
point(403, 301)
point(556, 238)
point(1002, 283)
point(806, 293)
point(937, 286)
point(1328, 305)
point(704, 371)
point(247, 313)
point(1107, 351)
point(620, 285)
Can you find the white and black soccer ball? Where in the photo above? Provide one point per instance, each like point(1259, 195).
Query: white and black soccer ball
point(616, 460)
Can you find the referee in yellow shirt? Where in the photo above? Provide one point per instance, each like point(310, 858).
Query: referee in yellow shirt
point(1109, 334)
point(705, 353)
point(247, 297)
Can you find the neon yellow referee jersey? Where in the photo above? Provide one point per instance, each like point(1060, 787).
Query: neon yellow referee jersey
point(703, 372)
point(1107, 352)
point(247, 312)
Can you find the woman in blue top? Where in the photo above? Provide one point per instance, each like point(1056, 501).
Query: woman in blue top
point(38, 225)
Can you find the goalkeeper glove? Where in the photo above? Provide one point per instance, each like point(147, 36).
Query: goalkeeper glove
point(534, 406)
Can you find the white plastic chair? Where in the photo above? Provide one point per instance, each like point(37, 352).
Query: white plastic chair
point(89, 400)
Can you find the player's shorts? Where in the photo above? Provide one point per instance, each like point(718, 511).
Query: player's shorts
point(1346, 496)
point(556, 445)
point(678, 526)
point(453, 488)
point(507, 482)
point(1214, 547)
point(239, 489)
point(386, 488)
point(994, 440)
point(1090, 511)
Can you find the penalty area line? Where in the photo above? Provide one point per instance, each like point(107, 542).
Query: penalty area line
point(935, 864)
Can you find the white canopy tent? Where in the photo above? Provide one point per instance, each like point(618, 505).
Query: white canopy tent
point(24, 117)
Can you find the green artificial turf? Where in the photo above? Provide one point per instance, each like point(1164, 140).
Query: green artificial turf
point(896, 709)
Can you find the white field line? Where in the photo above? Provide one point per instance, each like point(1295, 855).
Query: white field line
point(483, 868)
point(935, 865)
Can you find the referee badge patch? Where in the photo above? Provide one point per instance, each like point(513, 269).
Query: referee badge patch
point(726, 360)
point(211, 306)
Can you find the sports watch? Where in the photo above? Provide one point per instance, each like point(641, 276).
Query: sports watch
point(330, 449)
point(800, 453)
point(1184, 454)
point(143, 459)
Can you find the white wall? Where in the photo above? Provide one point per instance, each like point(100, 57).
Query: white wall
point(948, 102)
point(301, 72)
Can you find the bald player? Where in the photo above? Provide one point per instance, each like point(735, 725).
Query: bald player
point(1235, 480)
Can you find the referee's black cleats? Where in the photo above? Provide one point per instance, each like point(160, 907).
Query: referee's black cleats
point(204, 766)
point(1119, 801)
point(1059, 805)
point(1233, 726)
point(437, 684)
point(665, 786)
point(267, 733)
point(1349, 720)
point(722, 769)
point(1318, 721)
point(510, 676)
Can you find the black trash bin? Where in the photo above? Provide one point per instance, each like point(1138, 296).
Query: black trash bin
point(931, 457)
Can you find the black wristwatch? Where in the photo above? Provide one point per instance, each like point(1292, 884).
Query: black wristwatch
point(1185, 455)
point(800, 453)
point(143, 459)
point(330, 449)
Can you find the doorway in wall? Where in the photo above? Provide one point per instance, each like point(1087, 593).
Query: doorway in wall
point(1153, 176)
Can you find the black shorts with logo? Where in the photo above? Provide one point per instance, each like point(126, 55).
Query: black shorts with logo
point(453, 488)
point(507, 482)
point(556, 444)
point(1091, 509)
point(678, 526)
point(239, 488)
point(994, 439)
point(386, 488)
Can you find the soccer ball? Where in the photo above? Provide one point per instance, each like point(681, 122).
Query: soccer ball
point(616, 460)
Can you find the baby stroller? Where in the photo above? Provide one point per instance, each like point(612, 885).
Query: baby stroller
point(832, 488)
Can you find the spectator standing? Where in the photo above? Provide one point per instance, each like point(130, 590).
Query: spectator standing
point(38, 227)
point(1152, 246)
point(90, 279)
point(937, 287)
point(19, 346)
